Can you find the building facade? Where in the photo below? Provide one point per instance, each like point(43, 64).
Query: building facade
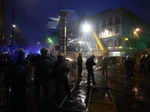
point(116, 26)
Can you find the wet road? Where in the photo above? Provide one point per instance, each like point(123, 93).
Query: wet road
point(126, 95)
point(78, 100)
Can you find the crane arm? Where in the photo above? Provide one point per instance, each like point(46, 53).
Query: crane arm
point(98, 41)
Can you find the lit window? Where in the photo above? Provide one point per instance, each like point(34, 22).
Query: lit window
point(106, 33)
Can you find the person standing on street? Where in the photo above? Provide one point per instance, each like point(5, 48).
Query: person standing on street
point(79, 61)
point(89, 66)
point(105, 67)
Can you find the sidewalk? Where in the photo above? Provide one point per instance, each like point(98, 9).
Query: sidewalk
point(100, 101)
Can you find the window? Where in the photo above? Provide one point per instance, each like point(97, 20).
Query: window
point(117, 20)
point(117, 29)
point(110, 21)
point(104, 24)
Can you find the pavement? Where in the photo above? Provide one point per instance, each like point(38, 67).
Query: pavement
point(118, 94)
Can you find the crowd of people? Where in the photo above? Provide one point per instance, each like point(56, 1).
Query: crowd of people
point(47, 73)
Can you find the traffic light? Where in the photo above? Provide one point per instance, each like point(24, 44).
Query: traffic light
point(50, 40)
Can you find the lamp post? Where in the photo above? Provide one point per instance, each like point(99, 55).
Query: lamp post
point(13, 31)
point(12, 36)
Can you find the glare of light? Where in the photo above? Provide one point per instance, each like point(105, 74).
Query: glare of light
point(50, 40)
point(9, 89)
point(136, 32)
point(135, 89)
point(96, 60)
point(26, 52)
point(86, 28)
point(39, 52)
point(71, 41)
point(32, 78)
point(106, 33)
point(137, 29)
point(115, 53)
point(14, 26)
point(90, 49)
point(126, 39)
point(69, 59)
point(120, 47)
point(106, 95)
point(109, 47)
point(80, 42)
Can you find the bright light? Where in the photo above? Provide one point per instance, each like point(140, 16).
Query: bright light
point(50, 40)
point(126, 39)
point(69, 59)
point(39, 51)
point(120, 47)
point(136, 32)
point(106, 33)
point(14, 26)
point(80, 42)
point(106, 95)
point(115, 53)
point(135, 89)
point(86, 28)
point(109, 47)
point(137, 29)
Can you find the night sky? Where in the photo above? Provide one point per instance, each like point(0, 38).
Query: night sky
point(31, 16)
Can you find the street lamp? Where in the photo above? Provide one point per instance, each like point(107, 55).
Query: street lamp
point(136, 32)
point(86, 27)
point(14, 26)
point(126, 39)
point(13, 30)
